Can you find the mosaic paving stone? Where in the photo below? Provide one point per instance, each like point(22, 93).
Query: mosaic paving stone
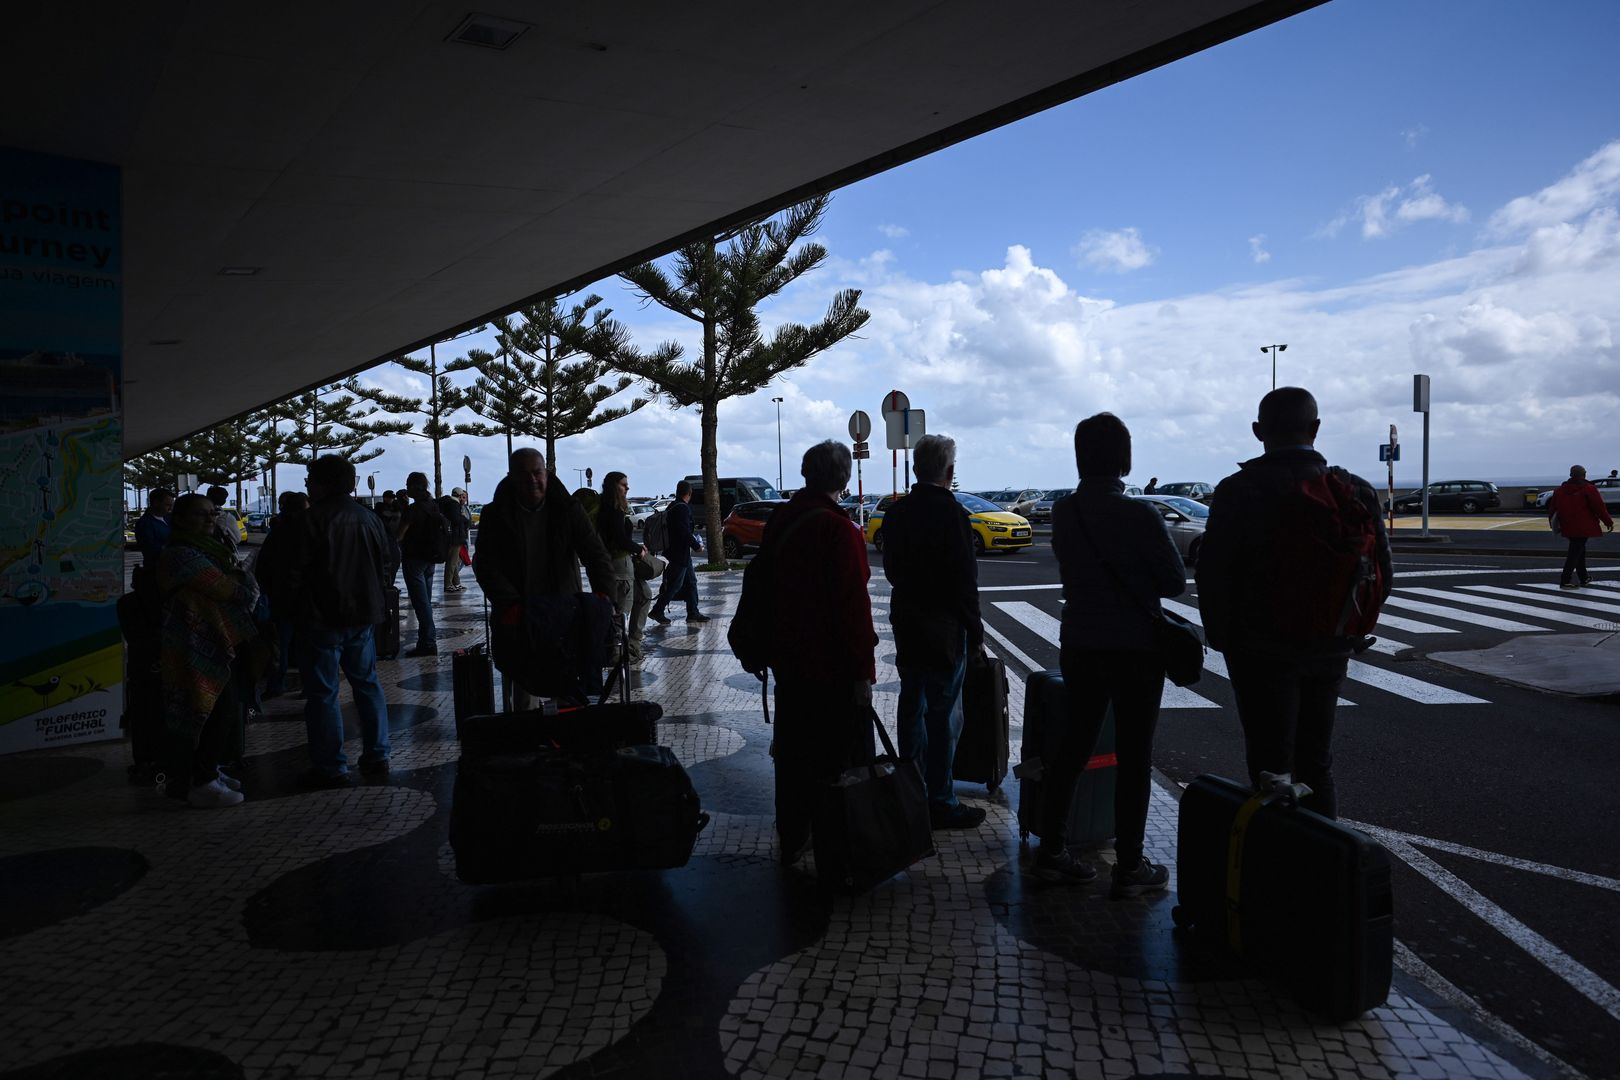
point(43, 887)
point(24, 775)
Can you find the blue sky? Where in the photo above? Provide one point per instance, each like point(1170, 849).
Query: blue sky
point(1387, 187)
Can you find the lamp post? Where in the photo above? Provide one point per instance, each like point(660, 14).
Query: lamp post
point(1273, 350)
point(778, 442)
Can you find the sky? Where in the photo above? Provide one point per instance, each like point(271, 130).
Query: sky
point(1388, 187)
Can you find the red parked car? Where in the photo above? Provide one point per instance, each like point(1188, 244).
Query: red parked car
point(744, 527)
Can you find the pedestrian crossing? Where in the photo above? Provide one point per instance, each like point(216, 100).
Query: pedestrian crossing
point(1513, 608)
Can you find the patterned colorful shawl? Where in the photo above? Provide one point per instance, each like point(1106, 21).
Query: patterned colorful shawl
point(207, 613)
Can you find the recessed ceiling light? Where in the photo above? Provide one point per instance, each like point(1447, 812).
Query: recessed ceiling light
point(240, 271)
point(488, 31)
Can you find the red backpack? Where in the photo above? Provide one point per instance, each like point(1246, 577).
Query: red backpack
point(1327, 581)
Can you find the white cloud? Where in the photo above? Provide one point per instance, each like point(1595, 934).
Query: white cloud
point(1119, 251)
point(1395, 206)
point(1592, 183)
point(1257, 249)
point(1413, 135)
point(894, 232)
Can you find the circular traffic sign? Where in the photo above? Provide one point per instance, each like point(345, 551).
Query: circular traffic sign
point(895, 401)
point(860, 425)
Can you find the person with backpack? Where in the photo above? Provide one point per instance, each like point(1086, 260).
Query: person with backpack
point(1575, 510)
point(424, 536)
point(1294, 568)
point(679, 542)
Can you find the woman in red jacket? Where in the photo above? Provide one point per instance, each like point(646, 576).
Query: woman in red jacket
point(1578, 507)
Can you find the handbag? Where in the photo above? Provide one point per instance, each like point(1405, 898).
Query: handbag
point(1176, 640)
point(872, 822)
point(466, 559)
point(648, 566)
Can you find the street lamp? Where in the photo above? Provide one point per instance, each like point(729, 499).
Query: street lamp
point(1273, 350)
point(778, 442)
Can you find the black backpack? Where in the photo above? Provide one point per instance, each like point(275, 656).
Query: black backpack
point(752, 631)
point(428, 536)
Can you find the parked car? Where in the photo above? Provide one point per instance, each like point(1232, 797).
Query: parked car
point(1014, 500)
point(993, 528)
point(1187, 489)
point(641, 509)
point(1608, 487)
point(1450, 497)
point(1185, 519)
point(744, 527)
point(733, 490)
point(258, 521)
point(1041, 512)
point(859, 509)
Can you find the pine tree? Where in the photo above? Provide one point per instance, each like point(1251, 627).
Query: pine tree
point(326, 420)
point(502, 391)
point(719, 288)
point(444, 399)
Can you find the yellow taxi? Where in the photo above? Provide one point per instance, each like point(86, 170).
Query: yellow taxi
point(993, 528)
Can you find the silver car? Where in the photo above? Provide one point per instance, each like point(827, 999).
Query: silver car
point(1041, 511)
point(1185, 519)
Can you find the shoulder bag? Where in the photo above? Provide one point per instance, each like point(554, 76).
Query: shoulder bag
point(1178, 642)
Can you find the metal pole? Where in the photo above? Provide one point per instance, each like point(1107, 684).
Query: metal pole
point(1425, 473)
point(778, 443)
point(1392, 445)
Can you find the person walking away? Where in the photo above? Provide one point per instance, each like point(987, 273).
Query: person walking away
point(424, 535)
point(337, 572)
point(271, 569)
point(1260, 579)
point(454, 508)
point(532, 537)
point(152, 528)
point(822, 652)
point(1152, 486)
point(207, 618)
point(1577, 506)
point(1116, 559)
point(391, 510)
point(680, 579)
point(614, 526)
point(928, 559)
point(227, 527)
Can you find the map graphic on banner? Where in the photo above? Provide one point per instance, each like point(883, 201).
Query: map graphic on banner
point(61, 452)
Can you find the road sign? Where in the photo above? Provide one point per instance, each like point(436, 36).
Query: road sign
point(466, 469)
point(894, 401)
point(587, 478)
point(860, 426)
point(904, 428)
point(371, 483)
point(1420, 393)
point(1387, 452)
point(863, 451)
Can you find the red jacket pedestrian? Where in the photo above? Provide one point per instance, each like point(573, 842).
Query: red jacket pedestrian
point(1578, 507)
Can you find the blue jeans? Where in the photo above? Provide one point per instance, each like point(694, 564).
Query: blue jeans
point(930, 720)
point(680, 583)
point(327, 650)
point(419, 584)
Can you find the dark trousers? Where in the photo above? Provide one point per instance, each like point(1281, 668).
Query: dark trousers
point(1133, 682)
point(1286, 707)
point(194, 755)
point(680, 583)
point(821, 730)
point(1575, 561)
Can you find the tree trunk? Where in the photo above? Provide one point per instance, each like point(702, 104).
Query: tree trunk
point(433, 414)
point(715, 537)
point(550, 414)
point(506, 380)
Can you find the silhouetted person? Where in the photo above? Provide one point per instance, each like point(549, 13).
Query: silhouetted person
point(1577, 505)
point(423, 537)
point(680, 579)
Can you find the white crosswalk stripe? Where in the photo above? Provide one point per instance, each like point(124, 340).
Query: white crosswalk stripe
point(1214, 662)
point(1474, 618)
point(1411, 626)
point(1045, 626)
point(1560, 596)
point(1544, 613)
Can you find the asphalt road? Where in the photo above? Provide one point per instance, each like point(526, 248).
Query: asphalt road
point(1511, 794)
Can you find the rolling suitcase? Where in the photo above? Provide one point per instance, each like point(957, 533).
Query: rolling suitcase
point(1298, 895)
point(387, 631)
point(1046, 716)
point(472, 678)
point(981, 750)
point(599, 729)
point(525, 815)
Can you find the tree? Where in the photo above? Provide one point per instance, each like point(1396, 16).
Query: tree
point(444, 399)
point(719, 289)
point(274, 445)
point(226, 453)
point(556, 372)
point(326, 421)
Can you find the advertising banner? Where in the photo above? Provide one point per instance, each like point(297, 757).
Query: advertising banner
point(61, 451)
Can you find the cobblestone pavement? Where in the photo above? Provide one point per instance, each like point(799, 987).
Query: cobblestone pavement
point(325, 934)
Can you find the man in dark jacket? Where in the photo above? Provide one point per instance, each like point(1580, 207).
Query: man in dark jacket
point(1577, 506)
point(680, 580)
point(423, 536)
point(1286, 689)
point(338, 568)
point(823, 645)
point(928, 558)
point(532, 537)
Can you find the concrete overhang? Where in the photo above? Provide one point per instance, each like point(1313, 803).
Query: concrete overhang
point(391, 186)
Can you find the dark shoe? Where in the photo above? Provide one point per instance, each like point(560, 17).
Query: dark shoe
point(374, 766)
point(960, 816)
point(1062, 868)
point(419, 651)
point(658, 617)
point(1144, 877)
point(315, 780)
point(699, 617)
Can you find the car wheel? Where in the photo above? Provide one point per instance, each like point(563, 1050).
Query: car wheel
point(877, 540)
point(978, 544)
point(733, 549)
point(1469, 506)
point(1192, 550)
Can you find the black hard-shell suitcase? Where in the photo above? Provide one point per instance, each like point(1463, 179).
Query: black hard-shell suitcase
point(1297, 895)
point(472, 678)
point(525, 815)
point(143, 685)
point(386, 633)
point(1046, 715)
point(982, 748)
point(592, 729)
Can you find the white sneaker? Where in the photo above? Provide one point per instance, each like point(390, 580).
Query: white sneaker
point(213, 796)
point(229, 781)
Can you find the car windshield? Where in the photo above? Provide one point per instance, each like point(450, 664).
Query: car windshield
point(1057, 493)
point(1187, 506)
point(976, 505)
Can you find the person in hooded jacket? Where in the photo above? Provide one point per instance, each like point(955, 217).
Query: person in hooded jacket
point(1578, 508)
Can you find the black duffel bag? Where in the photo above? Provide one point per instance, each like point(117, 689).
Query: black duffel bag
point(872, 822)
